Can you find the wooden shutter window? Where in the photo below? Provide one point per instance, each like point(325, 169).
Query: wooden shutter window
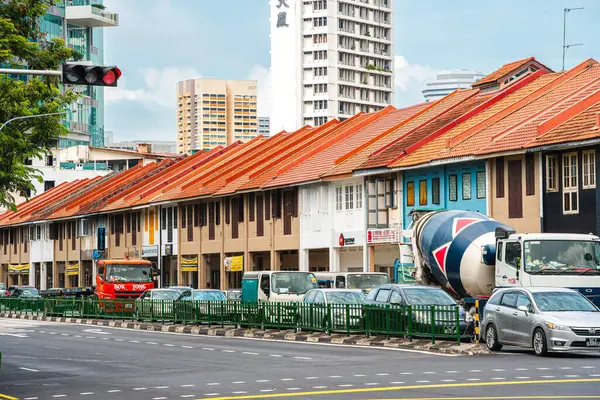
point(515, 189)
point(295, 210)
point(183, 217)
point(73, 237)
point(211, 221)
point(129, 223)
point(196, 216)
point(251, 207)
point(288, 212)
point(267, 206)
point(529, 174)
point(235, 206)
point(241, 209)
point(218, 212)
point(260, 221)
point(25, 239)
point(203, 214)
point(227, 211)
point(190, 226)
point(500, 177)
point(134, 228)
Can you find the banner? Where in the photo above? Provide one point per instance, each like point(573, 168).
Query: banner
point(234, 264)
point(189, 263)
point(72, 269)
point(18, 269)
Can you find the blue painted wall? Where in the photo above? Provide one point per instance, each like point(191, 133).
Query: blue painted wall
point(472, 200)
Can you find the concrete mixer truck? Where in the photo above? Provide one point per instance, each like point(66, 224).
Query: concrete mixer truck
point(470, 254)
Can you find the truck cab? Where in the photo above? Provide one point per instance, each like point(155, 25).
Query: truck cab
point(364, 281)
point(548, 260)
point(276, 286)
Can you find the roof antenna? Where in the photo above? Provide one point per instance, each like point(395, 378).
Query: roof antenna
point(565, 45)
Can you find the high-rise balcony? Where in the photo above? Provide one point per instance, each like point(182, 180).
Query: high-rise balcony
point(89, 14)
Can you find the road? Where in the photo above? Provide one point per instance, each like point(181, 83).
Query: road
point(43, 360)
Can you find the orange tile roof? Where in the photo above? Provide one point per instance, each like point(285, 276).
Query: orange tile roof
point(502, 71)
point(582, 127)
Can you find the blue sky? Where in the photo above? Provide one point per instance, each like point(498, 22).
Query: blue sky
point(160, 42)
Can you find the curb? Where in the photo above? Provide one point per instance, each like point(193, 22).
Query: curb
point(443, 347)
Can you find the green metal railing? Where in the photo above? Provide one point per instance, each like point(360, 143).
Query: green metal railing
point(434, 322)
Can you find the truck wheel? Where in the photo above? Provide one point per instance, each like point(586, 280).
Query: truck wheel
point(491, 338)
point(539, 343)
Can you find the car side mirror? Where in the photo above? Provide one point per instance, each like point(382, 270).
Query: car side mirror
point(525, 309)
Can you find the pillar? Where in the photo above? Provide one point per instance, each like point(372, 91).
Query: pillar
point(334, 259)
point(275, 260)
point(43, 276)
point(371, 259)
point(304, 261)
point(55, 280)
point(202, 271)
point(3, 273)
point(32, 281)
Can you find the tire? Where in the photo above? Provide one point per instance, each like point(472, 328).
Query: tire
point(539, 343)
point(491, 338)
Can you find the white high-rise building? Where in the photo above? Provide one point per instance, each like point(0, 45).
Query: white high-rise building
point(329, 59)
point(448, 81)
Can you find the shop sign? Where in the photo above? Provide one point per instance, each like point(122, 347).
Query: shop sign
point(189, 263)
point(346, 241)
point(18, 269)
point(73, 269)
point(234, 264)
point(168, 249)
point(149, 251)
point(382, 236)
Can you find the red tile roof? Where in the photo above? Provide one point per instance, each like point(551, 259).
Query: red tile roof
point(507, 69)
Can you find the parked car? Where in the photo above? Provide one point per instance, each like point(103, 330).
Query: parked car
point(22, 292)
point(180, 289)
point(337, 315)
point(2, 289)
point(156, 304)
point(194, 304)
point(545, 319)
point(421, 297)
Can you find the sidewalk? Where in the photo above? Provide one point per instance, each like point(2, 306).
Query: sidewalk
point(441, 346)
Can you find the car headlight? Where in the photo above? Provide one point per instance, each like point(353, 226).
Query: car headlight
point(556, 327)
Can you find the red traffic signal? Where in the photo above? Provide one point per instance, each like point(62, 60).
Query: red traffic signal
point(77, 74)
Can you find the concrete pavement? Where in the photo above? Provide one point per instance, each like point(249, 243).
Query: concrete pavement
point(52, 361)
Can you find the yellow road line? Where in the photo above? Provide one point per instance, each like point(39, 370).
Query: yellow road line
point(493, 398)
point(4, 396)
point(396, 388)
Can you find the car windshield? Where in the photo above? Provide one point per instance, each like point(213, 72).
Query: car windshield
point(553, 257)
point(128, 273)
point(213, 295)
point(562, 301)
point(437, 297)
point(165, 295)
point(345, 298)
point(27, 292)
point(180, 289)
point(366, 281)
point(293, 282)
point(2, 286)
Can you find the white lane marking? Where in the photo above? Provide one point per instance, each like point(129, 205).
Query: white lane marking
point(77, 336)
point(90, 337)
point(293, 388)
point(588, 366)
point(29, 369)
point(228, 351)
point(312, 377)
point(266, 390)
point(397, 383)
point(161, 387)
point(151, 343)
point(543, 368)
point(448, 380)
point(41, 332)
point(86, 393)
point(187, 395)
point(64, 334)
point(423, 381)
point(238, 382)
point(240, 392)
point(31, 398)
point(358, 375)
point(302, 358)
point(52, 333)
point(346, 385)
point(159, 398)
point(384, 374)
point(207, 349)
point(59, 395)
point(119, 340)
point(287, 379)
point(113, 391)
point(499, 370)
point(571, 376)
point(547, 376)
point(452, 372)
point(262, 381)
point(335, 376)
point(249, 353)
point(189, 385)
point(319, 387)
point(520, 369)
point(169, 345)
point(565, 368)
point(371, 384)
point(213, 384)
point(275, 355)
point(474, 370)
point(97, 331)
point(187, 347)
point(52, 347)
point(140, 388)
point(522, 377)
point(211, 394)
point(473, 379)
point(499, 379)
point(105, 338)
point(594, 374)
point(134, 341)
point(406, 373)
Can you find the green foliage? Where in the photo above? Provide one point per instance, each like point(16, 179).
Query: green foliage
point(22, 44)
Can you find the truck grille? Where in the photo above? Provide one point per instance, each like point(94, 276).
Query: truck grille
point(586, 331)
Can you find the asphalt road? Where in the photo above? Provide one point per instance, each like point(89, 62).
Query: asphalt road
point(65, 361)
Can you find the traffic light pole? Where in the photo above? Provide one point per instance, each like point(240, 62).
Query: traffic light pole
point(43, 72)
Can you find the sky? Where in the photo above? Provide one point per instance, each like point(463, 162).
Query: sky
point(161, 42)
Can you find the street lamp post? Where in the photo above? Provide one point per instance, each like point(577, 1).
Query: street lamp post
point(30, 116)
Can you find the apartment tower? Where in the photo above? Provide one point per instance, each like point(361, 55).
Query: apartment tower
point(329, 59)
point(215, 112)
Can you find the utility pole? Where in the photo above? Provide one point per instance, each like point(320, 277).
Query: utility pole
point(565, 45)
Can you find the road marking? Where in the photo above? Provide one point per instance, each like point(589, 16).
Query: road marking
point(275, 355)
point(474, 370)
point(29, 369)
point(262, 381)
point(446, 380)
point(207, 349)
point(90, 337)
point(151, 343)
point(119, 340)
point(113, 391)
point(187, 395)
point(59, 395)
point(302, 358)
point(423, 381)
point(588, 366)
point(452, 372)
point(397, 383)
point(522, 377)
point(27, 398)
point(313, 377)
point(77, 336)
point(499, 379)
point(427, 373)
point(372, 384)
point(473, 379)
point(104, 338)
point(543, 368)
point(228, 351)
point(249, 353)
point(358, 375)
point(189, 385)
point(499, 370)
point(161, 387)
point(240, 392)
point(97, 331)
point(211, 394)
point(266, 390)
point(159, 398)
point(335, 376)
point(287, 379)
point(134, 341)
point(384, 374)
point(434, 386)
point(86, 393)
point(294, 388)
point(319, 387)
point(52, 333)
point(169, 345)
point(565, 368)
point(520, 369)
point(594, 374)
point(346, 385)
point(548, 376)
point(408, 373)
point(238, 382)
point(187, 347)
point(40, 332)
point(571, 376)
point(3, 396)
point(140, 388)
point(213, 384)
point(64, 334)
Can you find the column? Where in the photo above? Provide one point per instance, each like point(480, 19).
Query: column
point(32, 274)
point(334, 259)
point(304, 264)
point(371, 259)
point(55, 280)
point(202, 271)
point(275, 260)
point(43, 276)
point(3, 273)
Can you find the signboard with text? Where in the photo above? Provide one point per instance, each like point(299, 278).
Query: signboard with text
point(388, 235)
point(149, 251)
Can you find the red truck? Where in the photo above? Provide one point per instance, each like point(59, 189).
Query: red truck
point(124, 280)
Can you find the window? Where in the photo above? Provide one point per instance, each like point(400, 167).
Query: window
point(589, 169)
point(49, 160)
point(453, 188)
point(435, 190)
point(383, 295)
point(396, 298)
point(512, 254)
point(509, 300)
point(466, 186)
point(422, 192)
point(499, 251)
point(552, 173)
point(500, 177)
point(480, 184)
point(48, 185)
point(338, 198)
point(410, 194)
point(529, 175)
point(570, 189)
point(359, 195)
point(523, 300)
point(349, 197)
point(251, 207)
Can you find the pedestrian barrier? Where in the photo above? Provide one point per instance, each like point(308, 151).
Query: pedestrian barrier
point(433, 322)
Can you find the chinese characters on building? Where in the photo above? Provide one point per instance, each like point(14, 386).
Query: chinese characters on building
point(282, 16)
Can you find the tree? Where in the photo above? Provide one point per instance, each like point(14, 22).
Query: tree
point(23, 45)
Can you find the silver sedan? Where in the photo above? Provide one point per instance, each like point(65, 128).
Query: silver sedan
point(545, 319)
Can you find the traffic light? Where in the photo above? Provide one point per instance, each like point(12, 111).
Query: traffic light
point(77, 74)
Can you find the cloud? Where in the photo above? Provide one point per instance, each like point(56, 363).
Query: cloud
point(263, 76)
point(160, 87)
point(410, 80)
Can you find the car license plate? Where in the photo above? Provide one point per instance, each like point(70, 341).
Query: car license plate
point(592, 342)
